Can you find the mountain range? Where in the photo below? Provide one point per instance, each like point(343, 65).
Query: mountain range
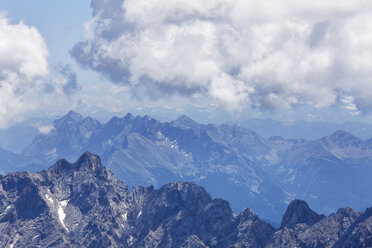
point(83, 204)
point(310, 130)
point(230, 161)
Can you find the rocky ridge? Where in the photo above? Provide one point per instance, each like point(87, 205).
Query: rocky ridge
point(230, 161)
point(83, 204)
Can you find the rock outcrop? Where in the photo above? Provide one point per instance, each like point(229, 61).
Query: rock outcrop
point(83, 204)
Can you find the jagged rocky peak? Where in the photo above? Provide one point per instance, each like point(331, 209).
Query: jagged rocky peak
point(348, 211)
point(147, 117)
point(75, 118)
point(185, 122)
point(68, 139)
point(343, 136)
point(72, 116)
point(90, 121)
point(72, 120)
point(188, 191)
point(253, 232)
point(128, 116)
point(88, 162)
point(116, 122)
point(298, 211)
point(360, 233)
point(129, 119)
point(119, 121)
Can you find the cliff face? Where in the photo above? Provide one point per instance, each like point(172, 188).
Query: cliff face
point(84, 205)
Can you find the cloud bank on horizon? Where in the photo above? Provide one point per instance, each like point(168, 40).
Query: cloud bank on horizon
point(267, 54)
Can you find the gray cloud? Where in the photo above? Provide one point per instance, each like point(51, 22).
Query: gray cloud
point(67, 80)
point(266, 54)
point(63, 81)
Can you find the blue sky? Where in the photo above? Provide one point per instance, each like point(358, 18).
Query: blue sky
point(215, 61)
point(59, 22)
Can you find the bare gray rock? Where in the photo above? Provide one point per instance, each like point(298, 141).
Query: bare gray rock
point(299, 212)
point(84, 205)
point(323, 233)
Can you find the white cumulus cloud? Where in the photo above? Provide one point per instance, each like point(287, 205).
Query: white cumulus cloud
point(267, 54)
point(45, 129)
point(23, 63)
